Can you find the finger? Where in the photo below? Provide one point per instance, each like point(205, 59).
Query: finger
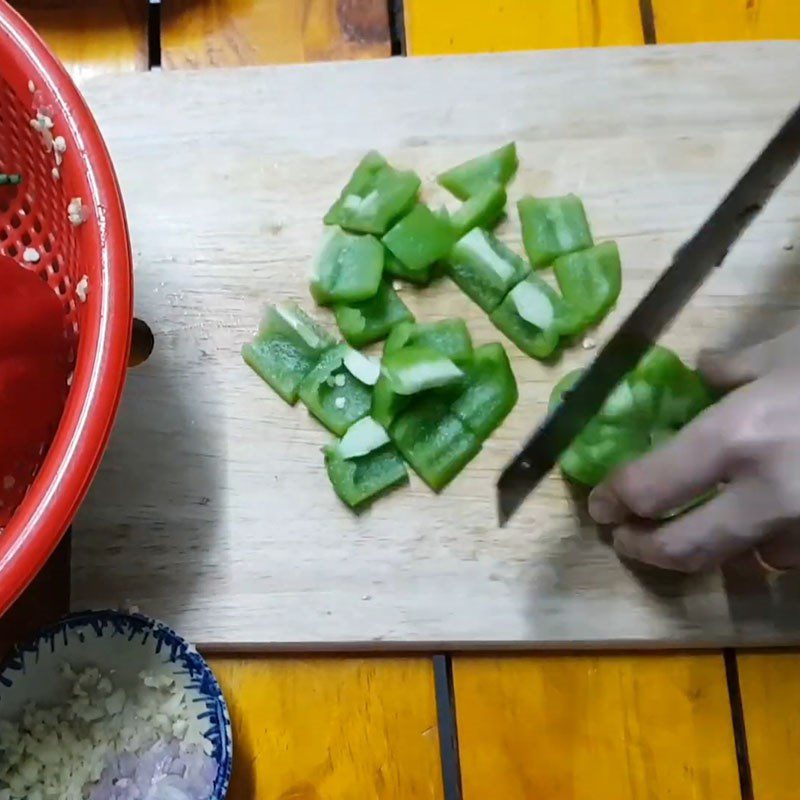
point(731, 370)
point(669, 477)
point(697, 541)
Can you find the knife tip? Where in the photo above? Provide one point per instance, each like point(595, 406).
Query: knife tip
point(504, 512)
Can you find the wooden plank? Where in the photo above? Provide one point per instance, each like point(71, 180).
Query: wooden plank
point(434, 27)
point(346, 728)
point(92, 37)
point(212, 509)
point(577, 727)
point(240, 32)
point(724, 20)
point(770, 688)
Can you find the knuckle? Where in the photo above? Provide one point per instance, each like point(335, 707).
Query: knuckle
point(688, 559)
point(781, 498)
point(638, 491)
point(749, 435)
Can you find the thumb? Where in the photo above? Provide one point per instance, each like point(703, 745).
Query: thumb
point(733, 369)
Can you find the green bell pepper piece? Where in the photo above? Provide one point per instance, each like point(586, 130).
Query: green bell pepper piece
point(484, 268)
point(374, 197)
point(419, 239)
point(364, 465)
point(552, 227)
point(681, 393)
point(360, 481)
point(415, 369)
point(651, 403)
point(371, 320)
point(434, 441)
point(482, 210)
point(590, 279)
point(450, 337)
point(386, 403)
point(490, 393)
point(469, 178)
point(409, 371)
point(335, 396)
point(394, 267)
point(288, 345)
point(348, 268)
point(632, 403)
point(534, 316)
point(600, 450)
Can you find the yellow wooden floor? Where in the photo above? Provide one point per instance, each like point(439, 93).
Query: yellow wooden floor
point(535, 727)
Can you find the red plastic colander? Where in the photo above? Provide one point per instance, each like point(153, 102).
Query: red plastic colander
point(97, 311)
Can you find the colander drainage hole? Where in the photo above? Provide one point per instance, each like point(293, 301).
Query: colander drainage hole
point(142, 343)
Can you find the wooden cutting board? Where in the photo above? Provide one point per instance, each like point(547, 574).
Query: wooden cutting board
point(212, 509)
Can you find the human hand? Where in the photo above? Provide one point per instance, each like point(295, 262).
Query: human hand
point(747, 446)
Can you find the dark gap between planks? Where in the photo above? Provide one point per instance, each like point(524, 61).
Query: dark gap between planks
point(737, 719)
point(648, 21)
point(154, 34)
point(397, 27)
point(448, 728)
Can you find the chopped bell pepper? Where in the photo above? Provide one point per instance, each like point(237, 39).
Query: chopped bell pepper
point(482, 210)
point(287, 347)
point(410, 371)
point(680, 393)
point(371, 320)
point(490, 393)
point(434, 441)
point(393, 266)
point(600, 450)
point(552, 227)
point(450, 337)
point(469, 178)
point(415, 369)
point(484, 268)
point(386, 403)
point(419, 239)
point(364, 465)
point(534, 316)
point(333, 394)
point(653, 401)
point(375, 196)
point(348, 268)
point(590, 279)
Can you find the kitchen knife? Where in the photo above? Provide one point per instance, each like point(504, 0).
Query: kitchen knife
point(691, 265)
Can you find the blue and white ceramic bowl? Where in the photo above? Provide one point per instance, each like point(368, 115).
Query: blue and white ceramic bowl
point(128, 644)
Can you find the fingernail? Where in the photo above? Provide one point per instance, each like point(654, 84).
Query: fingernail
point(604, 507)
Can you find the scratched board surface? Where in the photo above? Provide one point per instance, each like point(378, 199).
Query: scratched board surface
point(212, 509)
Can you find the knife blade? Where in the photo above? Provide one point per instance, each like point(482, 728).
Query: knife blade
point(690, 266)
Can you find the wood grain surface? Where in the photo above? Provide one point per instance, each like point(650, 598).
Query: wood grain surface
point(434, 27)
point(576, 727)
point(770, 687)
point(212, 509)
point(725, 20)
point(199, 33)
point(92, 37)
point(345, 728)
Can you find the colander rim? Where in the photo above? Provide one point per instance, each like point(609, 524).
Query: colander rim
point(44, 515)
